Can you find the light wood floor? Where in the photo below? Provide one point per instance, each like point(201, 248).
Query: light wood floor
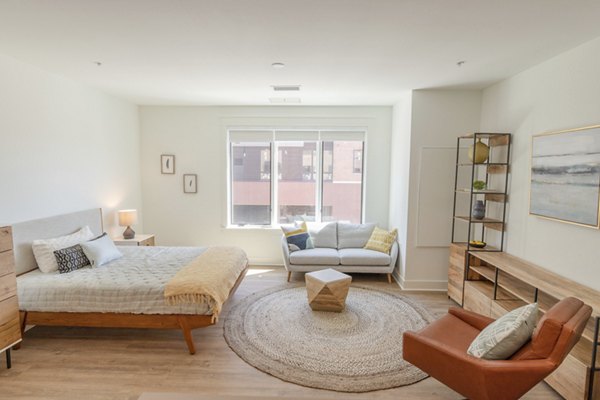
point(81, 363)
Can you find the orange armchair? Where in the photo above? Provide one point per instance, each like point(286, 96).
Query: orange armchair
point(440, 350)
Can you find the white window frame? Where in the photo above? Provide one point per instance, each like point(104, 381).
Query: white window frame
point(275, 170)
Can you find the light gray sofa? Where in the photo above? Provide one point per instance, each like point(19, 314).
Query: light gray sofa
point(340, 246)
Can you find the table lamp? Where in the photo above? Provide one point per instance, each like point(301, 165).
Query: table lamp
point(128, 218)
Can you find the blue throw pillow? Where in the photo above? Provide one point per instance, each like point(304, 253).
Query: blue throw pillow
point(297, 237)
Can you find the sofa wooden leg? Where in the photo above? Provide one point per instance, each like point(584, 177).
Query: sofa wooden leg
point(289, 275)
point(389, 278)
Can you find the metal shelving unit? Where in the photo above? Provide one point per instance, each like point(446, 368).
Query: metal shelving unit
point(485, 170)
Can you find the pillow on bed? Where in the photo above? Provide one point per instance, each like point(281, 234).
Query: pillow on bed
point(44, 249)
point(101, 250)
point(71, 259)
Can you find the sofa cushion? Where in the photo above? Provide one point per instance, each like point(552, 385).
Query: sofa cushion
point(322, 256)
point(353, 235)
point(323, 234)
point(363, 257)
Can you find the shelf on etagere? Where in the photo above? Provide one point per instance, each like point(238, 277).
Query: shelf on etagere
point(482, 191)
point(490, 223)
point(483, 135)
point(468, 164)
point(485, 220)
point(494, 139)
point(498, 197)
point(476, 249)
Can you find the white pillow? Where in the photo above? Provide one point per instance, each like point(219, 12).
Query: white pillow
point(503, 337)
point(323, 234)
point(43, 249)
point(354, 236)
point(100, 251)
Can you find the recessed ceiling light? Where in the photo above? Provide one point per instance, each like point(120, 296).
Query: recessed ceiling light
point(460, 63)
point(98, 63)
point(278, 65)
point(285, 100)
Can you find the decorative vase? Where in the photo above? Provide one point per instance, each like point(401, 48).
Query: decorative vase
point(479, 152)
point(479, 209)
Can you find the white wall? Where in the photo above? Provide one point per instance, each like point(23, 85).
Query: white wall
point(561, 93)
point(197, 137)
point(399, 175)
point(437, 118)
point(64, 147)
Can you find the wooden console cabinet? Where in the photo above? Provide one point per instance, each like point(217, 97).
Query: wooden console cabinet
point(456, 271)
point(495, 283)
point(10, 331)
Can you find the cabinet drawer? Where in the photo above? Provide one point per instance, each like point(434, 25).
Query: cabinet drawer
point(457, 260)
point(7, 263)
point(455, 283)
point(8, 286)
point(10, 330)
point(478, 297)
point(147, 242)
point(6, 238)
point(570, 379)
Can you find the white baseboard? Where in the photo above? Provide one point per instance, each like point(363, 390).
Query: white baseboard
point(416, 285)
point(409, 285)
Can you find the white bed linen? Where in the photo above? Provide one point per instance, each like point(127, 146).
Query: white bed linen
point(132, 284)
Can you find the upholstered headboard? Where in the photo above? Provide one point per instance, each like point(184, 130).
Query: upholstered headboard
point(24, 233)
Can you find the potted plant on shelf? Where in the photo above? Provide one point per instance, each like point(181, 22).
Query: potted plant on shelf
point(479, 185)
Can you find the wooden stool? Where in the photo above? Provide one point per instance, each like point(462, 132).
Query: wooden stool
point(327, 290)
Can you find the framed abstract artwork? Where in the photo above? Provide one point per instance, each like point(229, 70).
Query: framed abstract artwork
point(190, 183)
point(167, 164)
point(565, 176)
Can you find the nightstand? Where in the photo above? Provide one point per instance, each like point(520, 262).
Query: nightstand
point(139, 240)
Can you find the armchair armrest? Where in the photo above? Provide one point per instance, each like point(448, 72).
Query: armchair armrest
point(477, 321)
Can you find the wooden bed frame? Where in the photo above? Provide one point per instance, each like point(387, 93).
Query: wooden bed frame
point(24, 233)
point(185, 322)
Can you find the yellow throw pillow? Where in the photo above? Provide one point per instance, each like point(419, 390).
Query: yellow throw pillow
point(381, 240)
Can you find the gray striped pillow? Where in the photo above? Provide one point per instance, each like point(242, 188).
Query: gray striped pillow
point(503, 337)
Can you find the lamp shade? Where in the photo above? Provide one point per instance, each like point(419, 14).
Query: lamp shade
point(127, 217)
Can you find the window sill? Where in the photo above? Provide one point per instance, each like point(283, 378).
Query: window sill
point(252, 228)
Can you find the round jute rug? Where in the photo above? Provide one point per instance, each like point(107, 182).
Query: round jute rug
point(358, 350)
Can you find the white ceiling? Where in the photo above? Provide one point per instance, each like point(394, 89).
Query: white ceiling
point(343, 52)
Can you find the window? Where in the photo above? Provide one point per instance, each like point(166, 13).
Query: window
point(251, 183)
point(357, 161)
point(342, 194)
point(297, 183)
point(317, 177)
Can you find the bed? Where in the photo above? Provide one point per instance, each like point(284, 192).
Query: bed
point(126, 293)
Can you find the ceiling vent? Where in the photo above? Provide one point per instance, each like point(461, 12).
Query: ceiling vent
point(286, 88)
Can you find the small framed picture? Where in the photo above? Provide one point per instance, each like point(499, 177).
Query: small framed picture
point(190, 183)
point(167, 164)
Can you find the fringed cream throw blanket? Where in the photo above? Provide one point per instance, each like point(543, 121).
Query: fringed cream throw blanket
point(208, 278)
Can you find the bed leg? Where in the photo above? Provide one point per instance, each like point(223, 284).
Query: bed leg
point(23, 316)
point(289, 275)
point(187, 334)
point(389, 276)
